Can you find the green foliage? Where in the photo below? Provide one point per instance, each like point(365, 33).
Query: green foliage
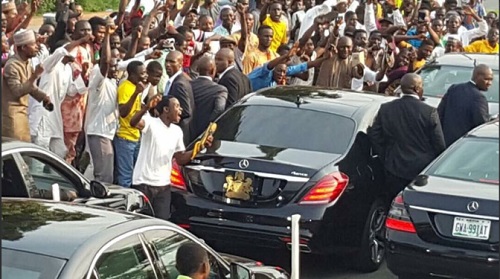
point(49, 6)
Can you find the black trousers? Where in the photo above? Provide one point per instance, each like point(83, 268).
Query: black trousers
point(160, 198)
point(394, 184)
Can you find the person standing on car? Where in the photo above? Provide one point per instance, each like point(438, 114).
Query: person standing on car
point(407, 135)
point(464, 106)
point(161, 141)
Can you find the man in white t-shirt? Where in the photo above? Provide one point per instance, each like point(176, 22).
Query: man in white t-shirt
point(102, 113)
point(161, 141)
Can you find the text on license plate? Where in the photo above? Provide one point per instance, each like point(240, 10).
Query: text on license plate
point(471, 228)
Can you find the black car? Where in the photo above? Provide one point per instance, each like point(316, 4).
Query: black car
point(453, 68)
point(445, 223)
point(48, 240)
point(285, 151)
point(29, 171)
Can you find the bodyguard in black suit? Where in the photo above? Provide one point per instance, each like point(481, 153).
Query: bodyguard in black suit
point(464, 107)
point(237, 84)
point(407, 135)
point(180, 88)
point(209, 97)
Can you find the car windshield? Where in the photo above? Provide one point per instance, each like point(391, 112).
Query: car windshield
point(472, 159)
point(284, 127)
point(17, 264)
point(437, 80)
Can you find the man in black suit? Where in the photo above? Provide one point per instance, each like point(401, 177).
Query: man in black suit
point(179, 86)
point(407, 135)
point(464, 107)
point(237, 84)
point(209, 97)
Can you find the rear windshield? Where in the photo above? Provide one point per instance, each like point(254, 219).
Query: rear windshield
point(283, 127)
point(17, 265)
point(471, 159)
point(437, 80)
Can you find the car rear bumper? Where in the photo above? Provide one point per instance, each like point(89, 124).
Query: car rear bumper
point(261, 227)
point(407, 254)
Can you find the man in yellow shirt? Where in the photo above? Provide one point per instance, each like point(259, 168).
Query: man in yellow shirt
point(262, 54)
point(276, 22)
point(423, 53)
point(490, 45)
point(126, 141)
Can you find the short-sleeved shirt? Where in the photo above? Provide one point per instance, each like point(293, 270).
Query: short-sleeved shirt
point(279, 32)
point(481, 46)
point(257, 58)
point(125, 131)
point(159, 143)
point(262, 77)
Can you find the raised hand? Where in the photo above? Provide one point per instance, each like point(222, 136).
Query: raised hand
point(154, 101)
point(140, 86)
point(38, 71)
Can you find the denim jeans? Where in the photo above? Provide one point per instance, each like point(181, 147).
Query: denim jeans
point(125, 158)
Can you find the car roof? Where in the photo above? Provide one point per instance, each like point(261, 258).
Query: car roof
point(340, 101)
point(10, 143)
point(467, 60)
point(56, 229)
point(488, 130)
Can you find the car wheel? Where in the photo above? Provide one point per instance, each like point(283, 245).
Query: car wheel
point(372, 250)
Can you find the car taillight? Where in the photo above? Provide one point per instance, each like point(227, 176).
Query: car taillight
point(398, 218)
point(328, 189)
point(176, 178)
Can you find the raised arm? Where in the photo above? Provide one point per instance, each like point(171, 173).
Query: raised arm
point(121, 12)
point(105, 62)
point(125, 108)
point(242, 44)
point(263, 12)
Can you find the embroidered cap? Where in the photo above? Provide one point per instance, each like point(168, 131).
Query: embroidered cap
point(24, 37)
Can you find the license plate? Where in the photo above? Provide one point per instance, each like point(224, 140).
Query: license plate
point(471, 228)
point(238, 185)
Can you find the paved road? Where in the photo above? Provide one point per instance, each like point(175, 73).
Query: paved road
point(314, 267)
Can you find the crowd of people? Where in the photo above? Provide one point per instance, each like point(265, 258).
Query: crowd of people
point(132, 89)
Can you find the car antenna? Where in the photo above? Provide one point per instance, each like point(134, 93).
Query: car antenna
point(470, 58)
point(299, 101)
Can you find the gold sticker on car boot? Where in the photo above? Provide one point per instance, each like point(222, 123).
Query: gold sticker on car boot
point(238, 187)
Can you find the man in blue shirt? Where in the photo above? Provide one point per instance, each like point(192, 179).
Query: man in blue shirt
point(275, 71)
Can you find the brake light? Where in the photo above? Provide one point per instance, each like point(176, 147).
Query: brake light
point(398, 218)
point(328, 189)
point(288, 239)
point(176, 178)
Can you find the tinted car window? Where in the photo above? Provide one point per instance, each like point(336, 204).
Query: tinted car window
point(166, 243)
point(286, 128)
point(12, 180)
point(437, 80)
point(45, 174)
point(125, 259)
point(471, 159)
point(17, 264)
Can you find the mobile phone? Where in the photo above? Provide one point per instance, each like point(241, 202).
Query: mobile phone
point(421, 16)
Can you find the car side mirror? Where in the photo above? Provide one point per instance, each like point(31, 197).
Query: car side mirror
point(98, 190)
point(421, 180)
point(239, 271)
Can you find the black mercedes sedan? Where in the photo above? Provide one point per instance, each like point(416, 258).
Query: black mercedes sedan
point(47, 240)
point(285, 151)
point(445, 223)
point(29, 171)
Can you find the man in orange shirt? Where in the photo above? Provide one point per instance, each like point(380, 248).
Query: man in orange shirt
point(263, 53)
point(490, 45)
point(276, 22)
